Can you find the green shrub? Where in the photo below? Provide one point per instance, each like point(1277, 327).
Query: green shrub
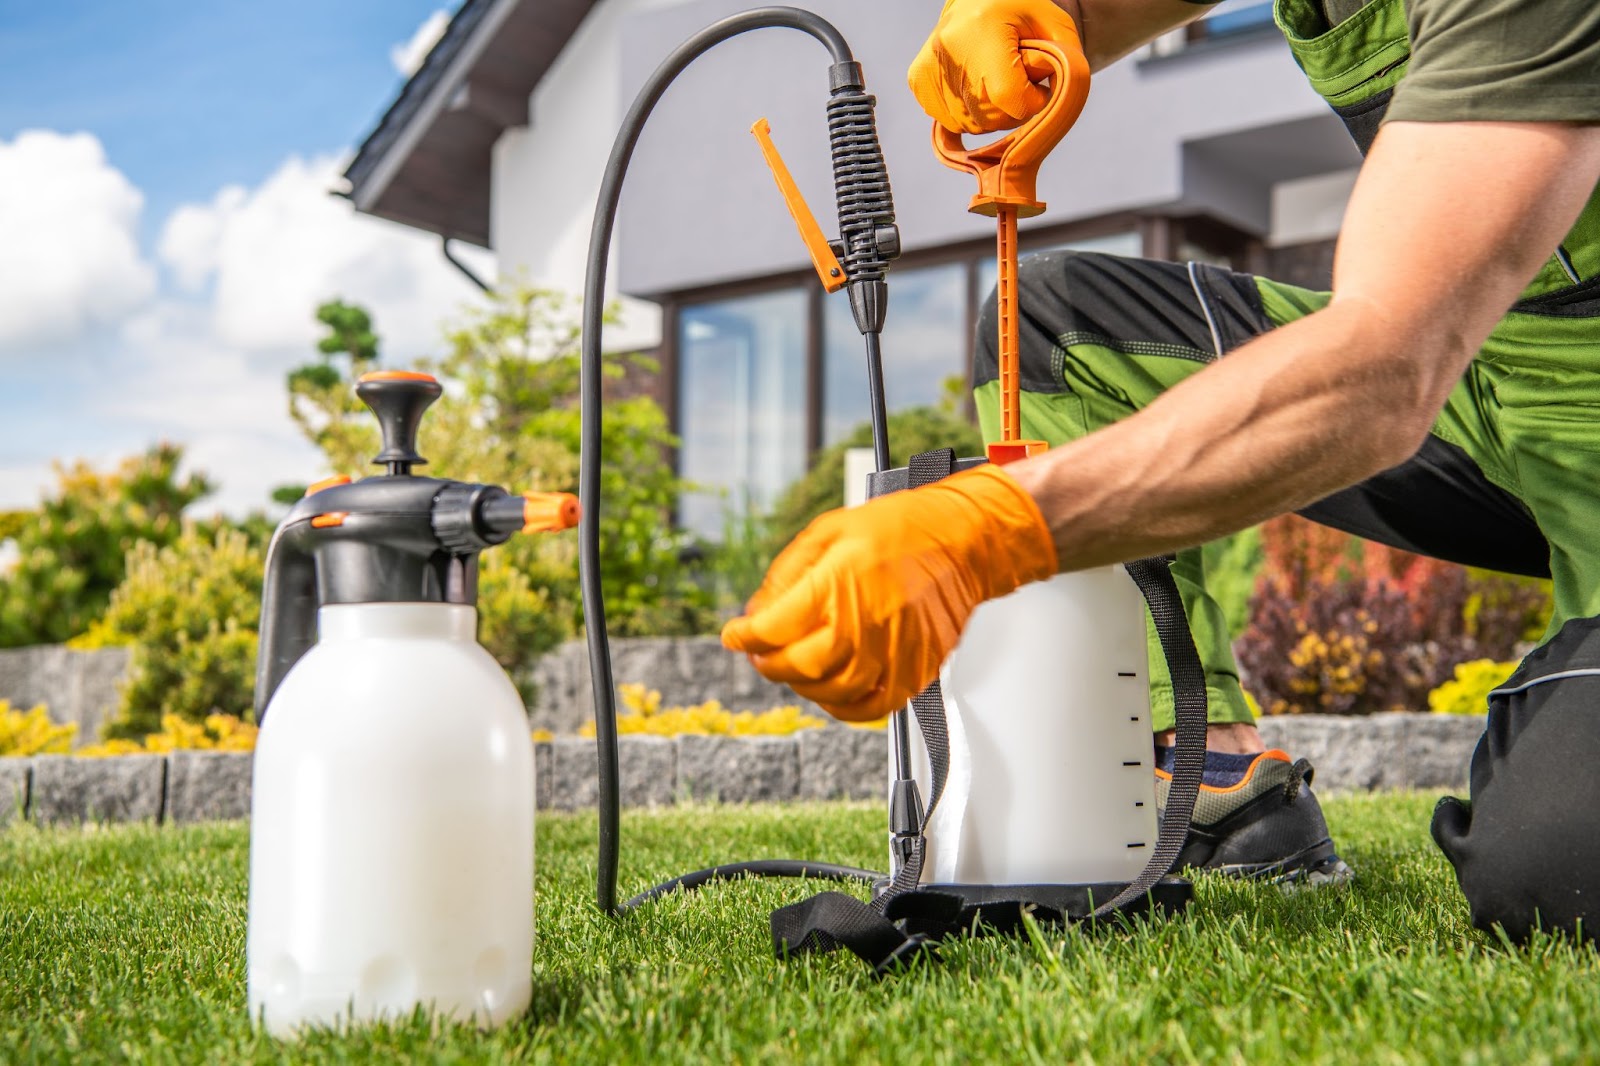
point(918, 429)
point(190, 611)
point(71, 551)
point(510, 417)
point(1232, 565)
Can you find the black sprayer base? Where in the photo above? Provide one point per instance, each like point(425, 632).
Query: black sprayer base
point(1000, 907)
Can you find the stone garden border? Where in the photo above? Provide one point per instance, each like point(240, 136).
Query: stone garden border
point(1386, 751)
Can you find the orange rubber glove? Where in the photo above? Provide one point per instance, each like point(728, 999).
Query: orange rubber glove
point(860, 611)
point(970, 75)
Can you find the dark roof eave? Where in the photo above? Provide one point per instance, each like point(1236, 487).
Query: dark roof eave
point(427, 162)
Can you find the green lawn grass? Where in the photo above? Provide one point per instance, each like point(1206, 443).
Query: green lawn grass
point(127, 943)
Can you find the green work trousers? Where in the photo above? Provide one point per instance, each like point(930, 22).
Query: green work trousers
point(1509, 479)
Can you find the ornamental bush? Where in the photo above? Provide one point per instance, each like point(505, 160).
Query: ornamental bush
point(509, 416)
point(32, 732)
point(1342, 627)
point(1468, 691)
point(219, 732)
point(643, 714)
point(71, 551)
point(190, 613)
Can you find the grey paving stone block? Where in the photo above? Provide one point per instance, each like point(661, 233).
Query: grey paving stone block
point(541, 775)
point(649, 769)
point(67, 789)
point(686, 671)
point(14, 775)
point(574, 780)
point(844, 763)
point(647, 766)
point(739, 769)
point(1439, 749)
point(1395, 750)
point(76, 686)
point(208, 786)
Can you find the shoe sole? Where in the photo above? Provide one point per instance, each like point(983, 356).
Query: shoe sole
point(1315, 867)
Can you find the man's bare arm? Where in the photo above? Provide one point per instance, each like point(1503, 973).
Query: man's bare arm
point(1447, 224)
point(1113, 28)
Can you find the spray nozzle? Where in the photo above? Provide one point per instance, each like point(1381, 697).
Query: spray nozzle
point(532, 512)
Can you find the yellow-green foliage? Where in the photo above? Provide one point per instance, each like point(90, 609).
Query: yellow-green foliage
point(190, 612)
point(219, 732)
point(70, 551)
point(32, 732)
point(645, 715)
point(1468, 691)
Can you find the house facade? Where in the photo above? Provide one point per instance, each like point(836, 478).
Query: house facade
point(1209, 145)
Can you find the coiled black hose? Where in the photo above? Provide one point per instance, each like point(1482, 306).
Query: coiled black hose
point(853, 135)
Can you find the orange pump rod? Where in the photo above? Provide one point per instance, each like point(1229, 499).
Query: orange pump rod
point(1010, 338)
point(1007, 171)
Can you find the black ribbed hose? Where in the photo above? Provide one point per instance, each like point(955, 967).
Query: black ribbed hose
point(864, 184)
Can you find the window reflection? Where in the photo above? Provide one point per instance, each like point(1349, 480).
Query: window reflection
point(742, 404)
point(924, 344)
point(1115, 244)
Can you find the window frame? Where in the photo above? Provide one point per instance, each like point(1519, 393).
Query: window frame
point(1160, 237)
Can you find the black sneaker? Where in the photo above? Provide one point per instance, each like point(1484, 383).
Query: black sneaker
point(1268, 827)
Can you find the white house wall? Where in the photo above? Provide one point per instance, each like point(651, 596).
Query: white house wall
point(1190, 132)
point(700, 207)
point(545, 176)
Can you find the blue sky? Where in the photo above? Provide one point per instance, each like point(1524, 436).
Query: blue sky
point(187, 97)
point(166, 229)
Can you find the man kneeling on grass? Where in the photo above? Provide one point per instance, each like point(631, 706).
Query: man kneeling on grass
point(1444, 398)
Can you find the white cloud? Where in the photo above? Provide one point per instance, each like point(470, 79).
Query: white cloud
point(70, 257)
point(203, 363)
point(407, 58)
point(272, 254)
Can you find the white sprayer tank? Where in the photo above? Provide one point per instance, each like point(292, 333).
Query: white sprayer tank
point(391, 844)
point(1047, 700)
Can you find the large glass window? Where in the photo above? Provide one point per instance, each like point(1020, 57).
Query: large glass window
point(924, 344)
point(741, 404)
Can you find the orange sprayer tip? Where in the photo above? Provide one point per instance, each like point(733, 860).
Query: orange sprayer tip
point(549, 512)
point(398, 375)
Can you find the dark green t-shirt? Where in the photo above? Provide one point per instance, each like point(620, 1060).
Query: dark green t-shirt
point(1517, 60)
point(1511, 60)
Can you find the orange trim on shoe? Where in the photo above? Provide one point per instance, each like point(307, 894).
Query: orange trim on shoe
point(1272, 753)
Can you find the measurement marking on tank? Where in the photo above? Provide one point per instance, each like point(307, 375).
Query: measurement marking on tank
point(1133, 718)
point(1138, 803)
point(1138, 845)
point(1125, 673)
point(1133, 762)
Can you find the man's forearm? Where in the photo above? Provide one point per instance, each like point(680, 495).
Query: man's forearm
point(1280, 423)
point(1352, 390)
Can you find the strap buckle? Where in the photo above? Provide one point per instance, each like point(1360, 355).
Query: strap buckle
point(903, 957)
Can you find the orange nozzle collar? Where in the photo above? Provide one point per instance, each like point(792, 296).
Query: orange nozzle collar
point(549, 512)
point(1008, 169)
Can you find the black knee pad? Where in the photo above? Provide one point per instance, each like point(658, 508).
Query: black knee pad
point(1526, 850)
